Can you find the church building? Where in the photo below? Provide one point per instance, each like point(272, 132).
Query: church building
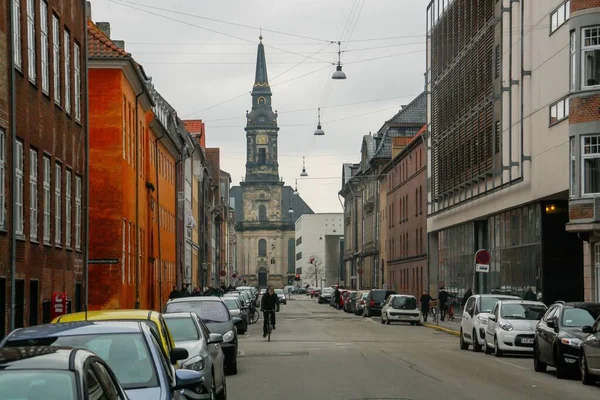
point(266, 209)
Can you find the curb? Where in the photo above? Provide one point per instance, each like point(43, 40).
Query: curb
point(442, 329)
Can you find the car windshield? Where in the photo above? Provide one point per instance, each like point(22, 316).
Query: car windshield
point(182, 329)
point(523, 311)
point(279, 291)
point(37, 384)
point(577, 317)
point(487, 303)
point(208, 311)
point(127, 354)
point(406, 303)
point(380, 295)
point(232, 304)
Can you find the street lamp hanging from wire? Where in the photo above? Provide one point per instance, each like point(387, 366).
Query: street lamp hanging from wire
point(319, 131)
point(339, 74)
point(296, 193)
point(303, 167)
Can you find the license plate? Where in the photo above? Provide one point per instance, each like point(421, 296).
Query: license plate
point(527, 341)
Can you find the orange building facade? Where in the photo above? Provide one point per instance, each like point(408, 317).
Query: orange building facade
point(119, 102)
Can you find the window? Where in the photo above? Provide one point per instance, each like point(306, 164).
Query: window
point(31, 39)
point(573, 167)
point(262, 156)
point(497, 137)
point(497, 67)
point(44, 46)
point(590, 59)
point(16, 43)
point(67, 49)
point(590, 159)
point(130, 259)
point(58, 205)
point(560, 16)
point(124, 255)
point(2, 178)
point(416, 202)
point(19, 194)
point(420, 200)
point(77, 81)
point(559, 111)
point(573, 56)
point(262, 213)
point(33, 194)
point(56, 57)
point(78, 212)
point(262, 248)
point(124, 128)
point(47, 205)
point(68, 208)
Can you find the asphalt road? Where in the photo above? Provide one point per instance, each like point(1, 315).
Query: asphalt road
point(320, 353)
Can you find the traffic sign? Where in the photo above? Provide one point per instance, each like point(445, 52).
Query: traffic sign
point(482, 261)
point(482, 268)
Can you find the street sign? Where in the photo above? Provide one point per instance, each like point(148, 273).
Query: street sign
point(482, 268)
point(58, 304)
point(482, 261)
point(103, 261)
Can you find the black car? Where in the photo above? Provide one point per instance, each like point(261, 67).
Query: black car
point(55, 373)
point(375, 300)
point(559, 336)
point(589, 361)
point(215, 314)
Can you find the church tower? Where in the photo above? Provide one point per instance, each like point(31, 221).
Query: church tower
point(261, 128)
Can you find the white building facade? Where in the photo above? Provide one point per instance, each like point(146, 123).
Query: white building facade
point(318, 239)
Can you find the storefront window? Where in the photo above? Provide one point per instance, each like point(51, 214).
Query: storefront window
point(456, 252)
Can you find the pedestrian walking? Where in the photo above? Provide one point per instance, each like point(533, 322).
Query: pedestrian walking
point(337, 295)
point(175, 294)
point(443, 298)
point(425, 300)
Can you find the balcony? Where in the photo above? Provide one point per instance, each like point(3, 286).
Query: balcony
point(584, 215)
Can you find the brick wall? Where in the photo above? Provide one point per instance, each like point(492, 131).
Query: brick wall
point(581, 211)
point(584, 109)
point(46, 127)
point(578, 5)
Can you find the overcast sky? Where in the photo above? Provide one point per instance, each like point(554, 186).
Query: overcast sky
point(198, 63)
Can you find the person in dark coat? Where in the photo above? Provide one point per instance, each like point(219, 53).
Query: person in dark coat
point(175, 294)
point(268, 304)
point(465, 298)
point(337, 295)
point(443, 298)
point(425, 300)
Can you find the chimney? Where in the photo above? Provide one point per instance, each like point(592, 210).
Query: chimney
point(104, 27)
point(88, 9)
point(119, 43)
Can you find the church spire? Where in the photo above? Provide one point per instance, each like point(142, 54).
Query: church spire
point(261, 80)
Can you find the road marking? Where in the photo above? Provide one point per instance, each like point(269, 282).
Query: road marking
point(513, 365)
point(344, 344)
point(313, 348)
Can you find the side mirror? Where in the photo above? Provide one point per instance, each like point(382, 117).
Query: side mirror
point(177, 354)
point(551, 323)
point(587, 329)
point(236, 320)
point(492, 318)
point(215, 338)
point(188, 379)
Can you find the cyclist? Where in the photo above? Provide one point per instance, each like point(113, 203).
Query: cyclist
point(268, 304)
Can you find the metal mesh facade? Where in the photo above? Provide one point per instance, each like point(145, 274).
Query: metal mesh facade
point(462, 95)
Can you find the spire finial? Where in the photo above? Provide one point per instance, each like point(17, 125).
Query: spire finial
point(260, 37)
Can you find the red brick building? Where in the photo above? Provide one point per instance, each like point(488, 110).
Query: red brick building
point(42, 221)
point(405, 216)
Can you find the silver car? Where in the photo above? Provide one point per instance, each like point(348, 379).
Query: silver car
point(511, 326)
point(204, 351)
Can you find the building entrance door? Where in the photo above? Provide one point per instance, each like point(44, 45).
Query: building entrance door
point(262, 277)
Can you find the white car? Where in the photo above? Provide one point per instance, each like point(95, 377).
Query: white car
point(511, 326)
point(475, 318)
point(401, 308)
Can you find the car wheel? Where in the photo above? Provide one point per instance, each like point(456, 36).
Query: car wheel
point(463, 345)
point(213, 387)
point(476, 345)
point(497, 351)
point(231, 368)
point(382, 320)
point(586, 379)
point(538, 365)
point(486, 349)
point(561, 368)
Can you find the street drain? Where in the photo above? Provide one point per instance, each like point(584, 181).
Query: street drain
point(280, 354)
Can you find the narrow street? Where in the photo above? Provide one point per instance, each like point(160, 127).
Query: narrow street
point(320, 353)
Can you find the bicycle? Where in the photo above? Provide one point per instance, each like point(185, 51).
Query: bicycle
point(269, 324)
point(433, 310)
point(254, 316)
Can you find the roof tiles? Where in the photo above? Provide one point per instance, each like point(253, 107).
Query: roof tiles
point(100, 46)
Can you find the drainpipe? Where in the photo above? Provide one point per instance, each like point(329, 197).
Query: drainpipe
point(86, 204)
point(523, 74)
point(184, 180)
point(510, 83)
point(200, 243)
point(137, 201)
point(160, 270)
point(13, 118)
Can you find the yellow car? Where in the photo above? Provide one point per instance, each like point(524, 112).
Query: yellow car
point(154, 319)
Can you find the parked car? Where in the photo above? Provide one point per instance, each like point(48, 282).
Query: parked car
point(401, 308)
point(204, 350)
point(559, 336)
point(325, 295)
point(589, 360)
point(214, 313)
point(511, 326)
point(361, 300)
point(350, 301)
point(281, 295)
point(131, 349)
point(315, 292)
point(236, 309)
point(475, 319)
point(56, 373)
point(375, 300)
point(153, 318)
